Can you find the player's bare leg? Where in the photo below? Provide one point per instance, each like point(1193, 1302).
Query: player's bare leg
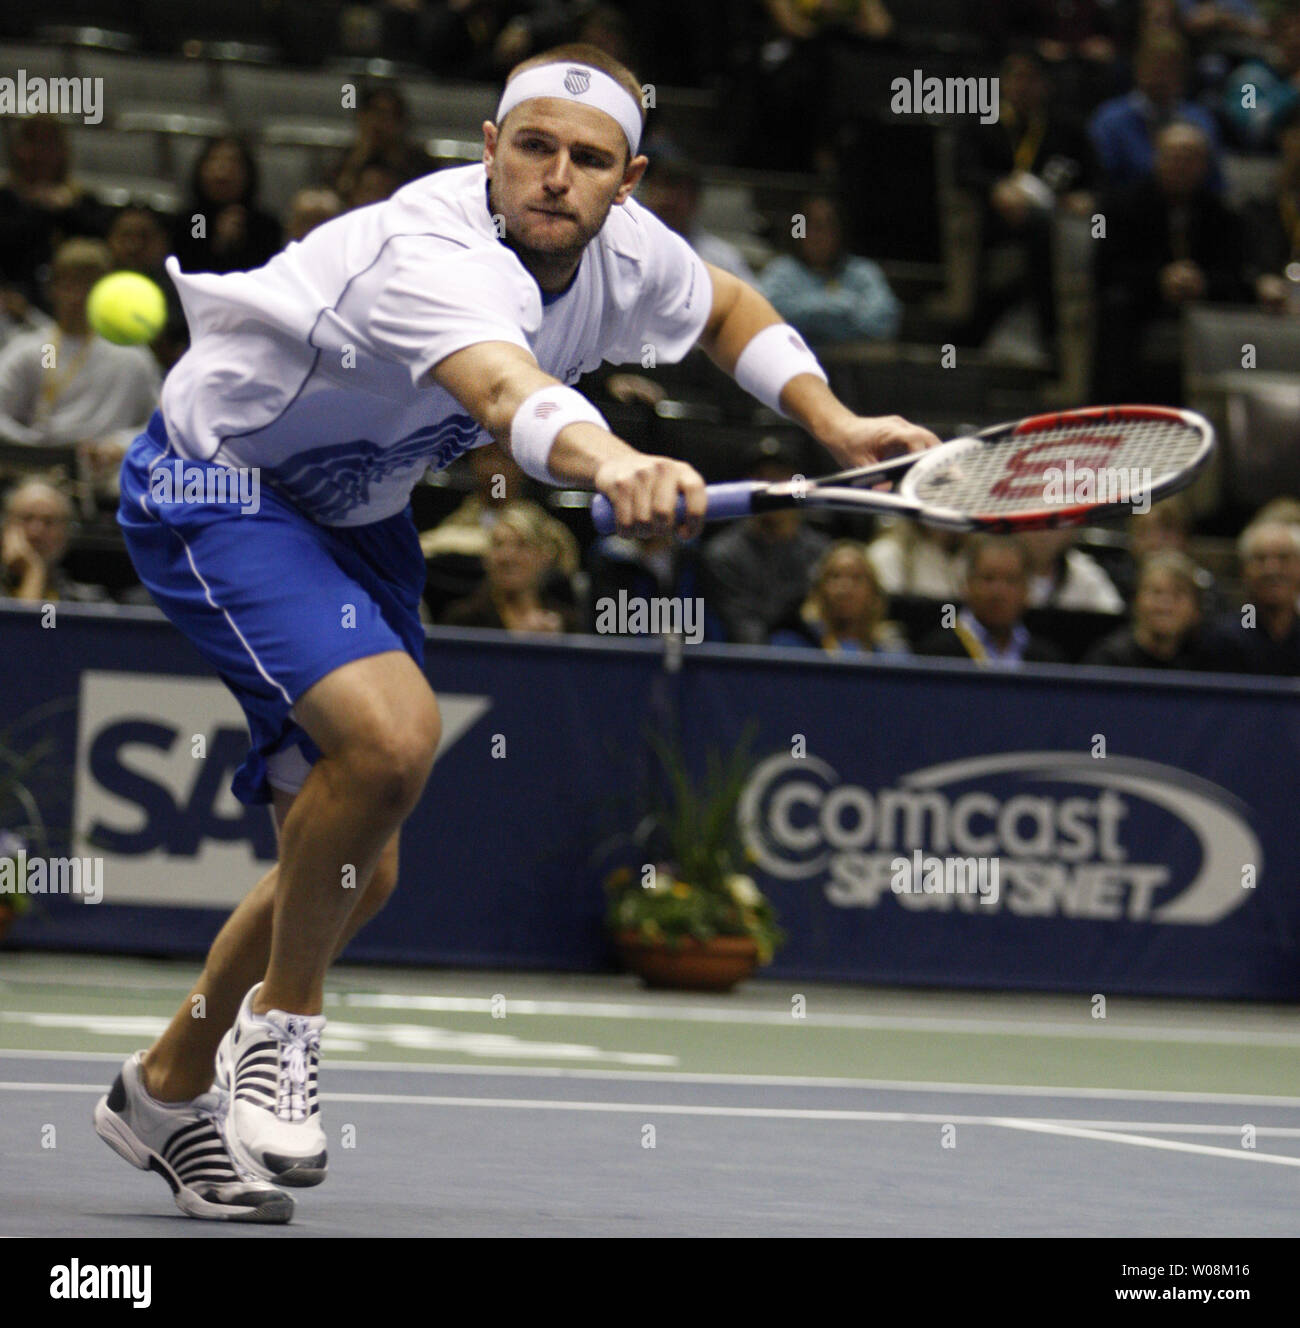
point(376, 723)
point(178, 1066)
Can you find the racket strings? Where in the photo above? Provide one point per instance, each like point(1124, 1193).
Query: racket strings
point(1078, 463)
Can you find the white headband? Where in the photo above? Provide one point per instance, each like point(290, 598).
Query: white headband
point(580, 83)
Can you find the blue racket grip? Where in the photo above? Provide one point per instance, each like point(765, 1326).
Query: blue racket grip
point(726, 502)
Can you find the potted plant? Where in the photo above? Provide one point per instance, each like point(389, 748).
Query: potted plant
point(688, 916)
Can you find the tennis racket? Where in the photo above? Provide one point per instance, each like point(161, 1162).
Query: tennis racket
point(1048, 470)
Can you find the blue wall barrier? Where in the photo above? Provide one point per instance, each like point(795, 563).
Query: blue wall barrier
point(1141, 826)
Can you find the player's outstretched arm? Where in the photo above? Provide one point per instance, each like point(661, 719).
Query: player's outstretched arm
point(557, 436)
point(745, 337)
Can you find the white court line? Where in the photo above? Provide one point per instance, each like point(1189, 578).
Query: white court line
point(1083, 1027)
point(1178, 1127)
point(1137, 1141)
point(1102, 1135)
point(746, 1080)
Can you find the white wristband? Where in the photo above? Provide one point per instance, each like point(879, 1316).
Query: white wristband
point(773, 357)
point(539, 419)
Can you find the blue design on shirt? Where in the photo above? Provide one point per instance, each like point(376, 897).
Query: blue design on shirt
point(330, 482)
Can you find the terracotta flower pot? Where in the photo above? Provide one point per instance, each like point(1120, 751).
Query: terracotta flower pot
point(691, 965)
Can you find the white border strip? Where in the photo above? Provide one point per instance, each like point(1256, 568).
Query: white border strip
point(757, 1080)
point(1067, 1130)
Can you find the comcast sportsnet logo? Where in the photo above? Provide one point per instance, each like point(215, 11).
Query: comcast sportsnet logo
point(1115, 839)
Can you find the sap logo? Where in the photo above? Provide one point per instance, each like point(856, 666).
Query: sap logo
point(175, 821)
point(169, 828)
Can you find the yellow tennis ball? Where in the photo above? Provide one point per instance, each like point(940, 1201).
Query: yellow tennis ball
point(126, 308)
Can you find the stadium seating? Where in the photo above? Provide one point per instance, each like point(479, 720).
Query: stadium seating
point(135, 82)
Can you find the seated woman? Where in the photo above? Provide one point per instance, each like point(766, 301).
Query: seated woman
point(845, 611)
point(1165, 632)
point(523, 552)
point(223, 227)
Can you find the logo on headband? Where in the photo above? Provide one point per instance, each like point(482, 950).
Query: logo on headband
point(576, 81)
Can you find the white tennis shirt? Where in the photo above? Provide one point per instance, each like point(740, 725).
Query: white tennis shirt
point(314, 368)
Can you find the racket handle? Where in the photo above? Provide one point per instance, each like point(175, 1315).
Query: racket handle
point(726, 502)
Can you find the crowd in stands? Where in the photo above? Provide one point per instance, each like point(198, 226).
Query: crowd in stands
point(1123, 112)
point(998, 601)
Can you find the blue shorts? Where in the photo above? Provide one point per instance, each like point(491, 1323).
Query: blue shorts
point(271, 599)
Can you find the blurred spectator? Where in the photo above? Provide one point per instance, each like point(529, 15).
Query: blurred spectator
point(1221, 24)
point(556, 22)
point(1124, 130)
point(1220, 34)
point(845, 613)
point(1165, 528)
point(646, 569)
point(73, 386)
point(990, 629)
point(137, 242)
point(373, 182)
point(458, 38)
point(1260, 96)
point(498, 480)
point(41, 205)
point(1266, 633)
point(455, 549)
point(1284, 509)
point(1084, 30)
point(671, 190)
point(1272, 232)
point(1169, 241)
point(18, 315)
point(1165, 631)
point(383, 137)
point(1019, 169)
point(830, 296)
point(361, 27)
point(912, 559)
point(1063, 577)
point(758, 571)
point(310, 208)
point(222, 228)
point(38, 518)
point(606, 28)
point(791, 119)
point(1222, 19)
point(521, 550)
point(1083, 43)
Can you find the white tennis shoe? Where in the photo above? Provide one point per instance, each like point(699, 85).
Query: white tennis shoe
point(183, 1143)
point(268, 1064)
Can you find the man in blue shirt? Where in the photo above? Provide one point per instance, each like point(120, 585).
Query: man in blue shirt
point(827, 294)
point(990, 627)
point(1123, 130)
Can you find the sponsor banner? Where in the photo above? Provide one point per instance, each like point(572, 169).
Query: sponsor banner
point(915, 823)
point(1070, 835)
point(1060, 829)
point(155, 757)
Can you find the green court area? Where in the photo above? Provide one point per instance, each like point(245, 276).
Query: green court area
point(776, 1030)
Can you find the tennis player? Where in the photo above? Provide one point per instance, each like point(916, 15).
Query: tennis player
point(389, 340)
